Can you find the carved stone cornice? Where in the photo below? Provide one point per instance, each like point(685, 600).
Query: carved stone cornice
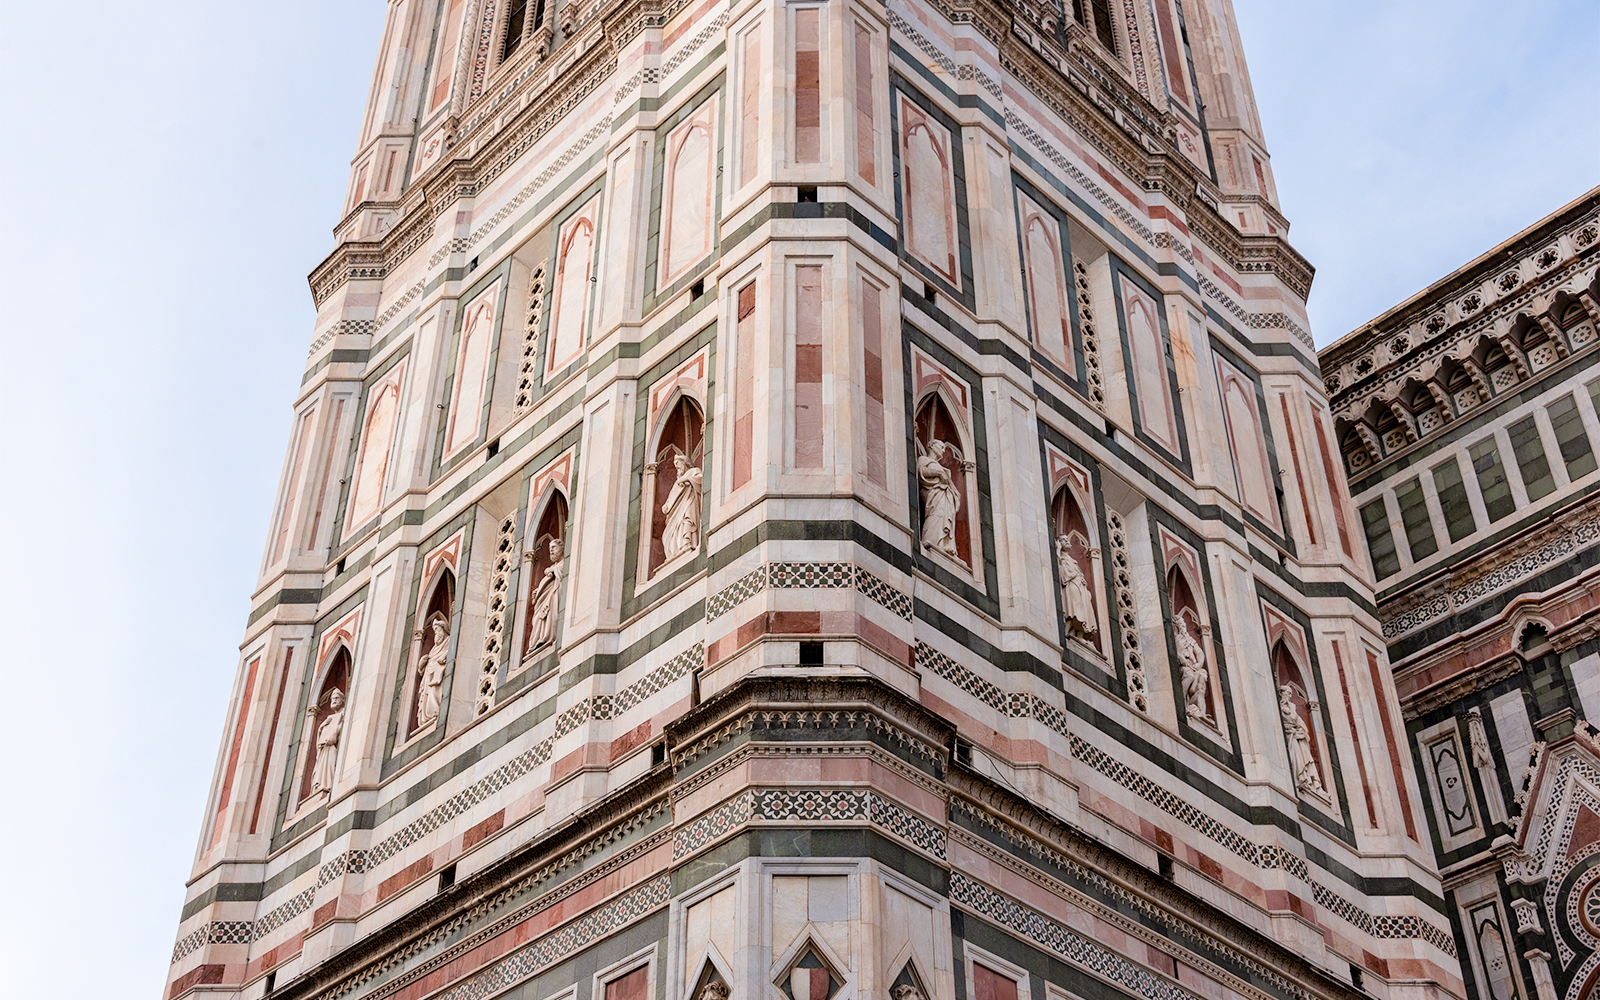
point(756, 703)
point(501, 887)
point(1072, 77)
point(981, 796)
point(462, 176)
point(1062, 81)
point(1523, 275)
point(1459, 687)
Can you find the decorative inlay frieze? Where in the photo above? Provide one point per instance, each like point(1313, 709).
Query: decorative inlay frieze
point(343, 328)
point(1554, 544)
point(799, 719)
point(1056, 937)
point(1114, 893)
point(818, 575)
point(815, 805)
point(508, 906)
point(1271, 856)
point(553, 947)
point(566, 722)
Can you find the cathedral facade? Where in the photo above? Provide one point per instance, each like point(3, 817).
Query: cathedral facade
point(813, 501)
point(1468, 418)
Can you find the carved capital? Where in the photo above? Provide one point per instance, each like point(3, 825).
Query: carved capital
point(1527, 911)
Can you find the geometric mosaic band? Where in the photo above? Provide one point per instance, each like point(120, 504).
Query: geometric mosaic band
point(557, 945)
point(604, 706)
point(1077, 949)
point(812, 575)
point(824, 805)
point(1267, 857)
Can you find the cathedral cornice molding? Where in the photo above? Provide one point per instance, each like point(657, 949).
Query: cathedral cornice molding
point(802, 702)
point(1019, 821)
point(478, 156)
point(1122, 125)
point(1523, 276)
point(498, 886)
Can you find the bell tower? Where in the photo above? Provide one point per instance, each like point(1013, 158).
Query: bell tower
point(820, 500)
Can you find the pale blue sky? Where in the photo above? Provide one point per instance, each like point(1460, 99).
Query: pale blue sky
point(172, 172)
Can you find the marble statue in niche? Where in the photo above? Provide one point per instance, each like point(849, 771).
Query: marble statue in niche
point(1077, 601)
point(682, 509)
point(941, 501)
point(432, 668)
point(327, 751)
point(542, 625)
point(1302, 761)
point(906, 991)
point(673, 484)
point(1195, 674)
point(716, 989)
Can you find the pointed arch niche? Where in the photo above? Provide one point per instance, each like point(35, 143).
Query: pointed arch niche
point(545, 559)
point(1191, 630)
point(572, 291)
point(680, 433)
point(471, 371)
point(1186, 615)
point(439, 606)
point(1247, 442)
point(945, 497)
point(334, 678)
point(1075, 541)
point(1049, 296)
point(670, 518)
point(928, 197)
point(1152, 381)
point(689, 192)
point(1287, 672)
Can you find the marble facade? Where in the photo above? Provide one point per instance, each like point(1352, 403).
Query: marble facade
point(1467, 419)
point(821, 498)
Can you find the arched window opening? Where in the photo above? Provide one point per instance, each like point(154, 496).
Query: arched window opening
point(675, 494)
point(1191, 638)
point(516, 21)
point(1075, 564)
point(325, 726)
point(432, 636)
point(545, 557)
point(1535, 641)
point(1296, 705)
point(1103, 28)
point(942, 473)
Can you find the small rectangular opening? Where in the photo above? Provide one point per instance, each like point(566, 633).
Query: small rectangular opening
point(811, 654)
point(1355, 977)
point(338, 570)
point(494, 447)
point(447, 877)
point(472, 265)
point(272, 981)
point(806, 196)
point(697, 290)
point(963, 753)
point(1164, 865)
point(658, 754)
